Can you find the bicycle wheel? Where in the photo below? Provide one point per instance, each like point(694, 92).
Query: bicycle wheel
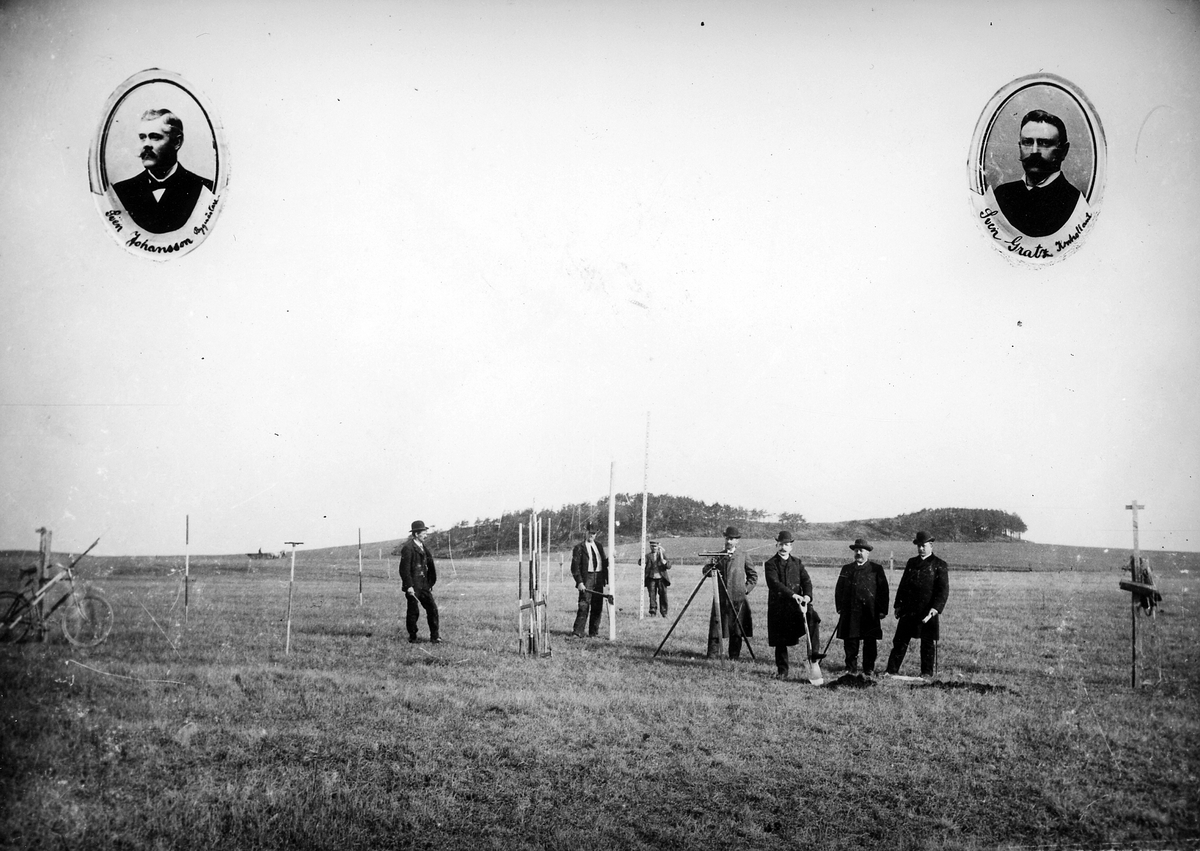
point(17, 616)
point(88, 620)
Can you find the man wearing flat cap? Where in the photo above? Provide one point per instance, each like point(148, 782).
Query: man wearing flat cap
point(418, 575)
point(657, 578)
point(589, 569)
point(920, 600)
point(861, 597)
point(733, 621)
point(789, 605)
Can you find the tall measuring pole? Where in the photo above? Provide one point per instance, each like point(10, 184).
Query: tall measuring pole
point(645, 494)
point(187, 534)
point(612, 552)
point(360, 565)
point(287, 646)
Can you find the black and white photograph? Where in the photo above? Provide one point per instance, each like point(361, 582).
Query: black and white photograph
point(1038, 169)
point(517, 424)
point(150, 200)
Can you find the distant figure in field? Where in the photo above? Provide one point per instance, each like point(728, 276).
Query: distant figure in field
point(790, 613)
point(418, 575)
point(1042, 202)
point(589, 569)
point(920, 600)
point(733, 621)
point(657, 578)
point(861, 597)
point(161, 198)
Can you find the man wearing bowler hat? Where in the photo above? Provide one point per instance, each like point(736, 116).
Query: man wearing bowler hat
point(920, 600)
point(733, 620)
point(790, 613)
point(861, 597)
point(418, 576)
point(589, 569)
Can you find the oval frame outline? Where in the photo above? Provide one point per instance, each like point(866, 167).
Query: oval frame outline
point(98, 181)
point(976, 173)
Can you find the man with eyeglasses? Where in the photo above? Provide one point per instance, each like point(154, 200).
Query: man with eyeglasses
point(1044, 200)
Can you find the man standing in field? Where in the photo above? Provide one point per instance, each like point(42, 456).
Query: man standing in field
point(920, 600)
point(733, 620)
point(656, 578)
point(589, 569)
point(789, 605)
point(418, 576)
point(861, 597)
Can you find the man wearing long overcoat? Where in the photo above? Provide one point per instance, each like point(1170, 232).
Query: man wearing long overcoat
point(790, 613)
point(733, 621)
point(418, 575)
point(861, 597)
point(920, 601)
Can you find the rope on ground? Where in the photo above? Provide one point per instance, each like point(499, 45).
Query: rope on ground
point(124, 677)
point(160, 629)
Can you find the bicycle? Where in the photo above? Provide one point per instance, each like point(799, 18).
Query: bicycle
point(86, 616)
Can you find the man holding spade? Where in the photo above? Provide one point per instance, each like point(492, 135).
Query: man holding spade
point(790, 614)
point(861, 597)
point(920, 600)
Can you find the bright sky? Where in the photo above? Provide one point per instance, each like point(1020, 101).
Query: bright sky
point(468, 248)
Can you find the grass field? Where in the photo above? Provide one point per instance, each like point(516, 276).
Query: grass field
point(207, 735)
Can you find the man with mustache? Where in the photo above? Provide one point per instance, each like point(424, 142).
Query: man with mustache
point(1042, 202)
point(162, 197)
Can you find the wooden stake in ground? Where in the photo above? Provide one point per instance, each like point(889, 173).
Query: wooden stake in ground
point(645, 487)
point(612, 552)
point(360, 565)
point(287, 646)
point(187, 534)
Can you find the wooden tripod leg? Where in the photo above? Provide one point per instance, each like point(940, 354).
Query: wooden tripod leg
point(737, 620)
point(699, 585)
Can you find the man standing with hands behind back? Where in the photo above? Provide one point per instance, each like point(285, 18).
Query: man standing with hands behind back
point(418, 575)
point(920, 600)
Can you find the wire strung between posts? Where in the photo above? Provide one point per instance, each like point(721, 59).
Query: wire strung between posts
point(124, 677)
point(160, 629)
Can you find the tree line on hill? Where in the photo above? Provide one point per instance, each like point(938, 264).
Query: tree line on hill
point(668, 515)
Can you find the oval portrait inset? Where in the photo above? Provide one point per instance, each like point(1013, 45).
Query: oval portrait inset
point(158, 165)
point(1036, 169)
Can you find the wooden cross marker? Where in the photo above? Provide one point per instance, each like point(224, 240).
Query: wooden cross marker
point(1134, 506)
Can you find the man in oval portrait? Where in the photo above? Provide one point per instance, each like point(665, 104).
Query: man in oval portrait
point(1044, 200)
point(162, 197)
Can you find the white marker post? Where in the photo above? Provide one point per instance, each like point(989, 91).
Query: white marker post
point(645, 490)
point(612, 552)
point(187, 533)
point(287, 646)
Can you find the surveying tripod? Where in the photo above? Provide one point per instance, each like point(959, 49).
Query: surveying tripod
point(715, 569)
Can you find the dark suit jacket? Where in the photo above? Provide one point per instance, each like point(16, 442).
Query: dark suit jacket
point(861, 597)
point(925, 585)
point(579, 563)
point(417, 570)
point(1037, 212)
point(173, 210)
point(785, 625)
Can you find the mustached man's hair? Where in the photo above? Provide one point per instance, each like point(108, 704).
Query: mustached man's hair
point(169, 118)
point(1043, 117)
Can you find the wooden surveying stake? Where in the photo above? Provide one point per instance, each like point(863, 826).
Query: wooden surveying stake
point(534, 639)
point(1143, 593)
point(187, 533)
point(360, 565)
point(645, 488)
point(611, 599)
point(287, 646)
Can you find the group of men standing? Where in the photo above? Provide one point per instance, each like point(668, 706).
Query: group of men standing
point(860, 598)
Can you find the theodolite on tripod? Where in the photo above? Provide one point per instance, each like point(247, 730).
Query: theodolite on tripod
point(722, 603)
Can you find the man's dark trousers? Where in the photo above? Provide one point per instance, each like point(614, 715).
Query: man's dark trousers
point(421, 597)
